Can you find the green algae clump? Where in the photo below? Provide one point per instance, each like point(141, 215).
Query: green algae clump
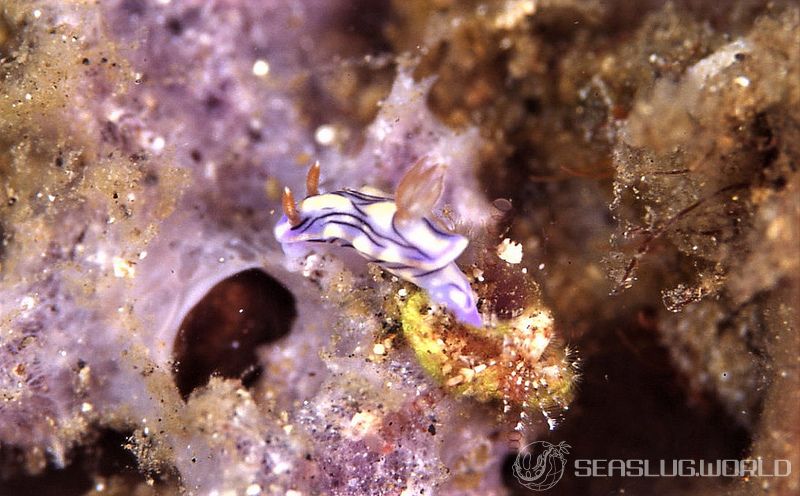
point(514, 361)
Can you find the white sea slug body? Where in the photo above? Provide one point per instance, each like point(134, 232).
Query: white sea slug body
point(412, 248)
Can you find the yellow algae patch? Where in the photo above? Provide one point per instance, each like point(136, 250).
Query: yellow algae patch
point(492, 363)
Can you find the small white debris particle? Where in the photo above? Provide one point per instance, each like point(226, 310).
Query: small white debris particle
point(362, 424)
point(742, 81)
point(510, 251)
point(253, 490)
point(513, 13)
point(158, 144)
point(123, 268)
point(325, 134)
point(27, 302)
point(37, 13)
point(260, 68)
point(210, 170)
point(86, 407)
point(379, 349)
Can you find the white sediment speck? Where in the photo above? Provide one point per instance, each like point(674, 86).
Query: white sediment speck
point(122, 268)
point(210, 170)
point(158, 144)
point(281, 467)
point(260, 68)
point(325, 135)
point(27, 302)
point(513, 12)
point(510, 251)
point(715, 63)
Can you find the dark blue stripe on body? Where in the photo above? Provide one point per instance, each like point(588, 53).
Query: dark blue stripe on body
point(359, 228)
point(305, 226)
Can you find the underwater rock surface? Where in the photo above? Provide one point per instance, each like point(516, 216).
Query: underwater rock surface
point(626, 172)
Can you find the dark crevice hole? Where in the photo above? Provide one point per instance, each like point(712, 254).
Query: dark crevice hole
point(219, 335)
point(104, 456)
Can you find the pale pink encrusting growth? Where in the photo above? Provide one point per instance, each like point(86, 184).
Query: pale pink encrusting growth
point(405, 132)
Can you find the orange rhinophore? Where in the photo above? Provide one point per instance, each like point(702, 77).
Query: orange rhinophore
point(290, 207)
point(312, 180)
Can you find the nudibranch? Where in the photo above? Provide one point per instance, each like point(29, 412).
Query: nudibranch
point(394, 234)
